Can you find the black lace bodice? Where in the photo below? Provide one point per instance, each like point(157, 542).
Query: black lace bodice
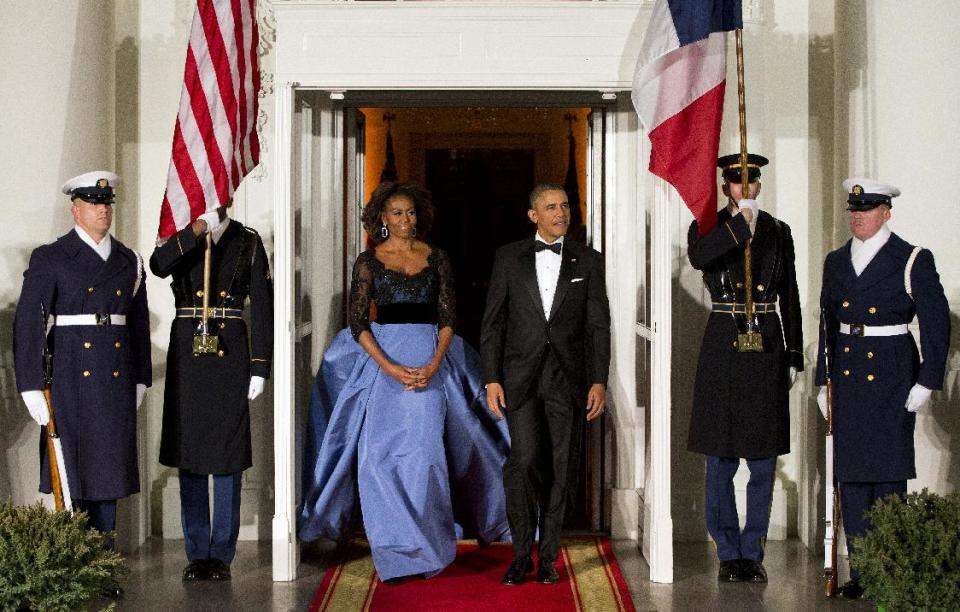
point(427, 296)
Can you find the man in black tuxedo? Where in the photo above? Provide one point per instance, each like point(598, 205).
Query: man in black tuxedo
point(545, 346)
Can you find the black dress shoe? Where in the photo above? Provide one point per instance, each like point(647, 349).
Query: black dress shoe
point(729, 571)
point(195, 570)
point(852, 589)
point(547, 572)
point(518, 570)
point(115, 592)
point(219, 570)
point(752, 571)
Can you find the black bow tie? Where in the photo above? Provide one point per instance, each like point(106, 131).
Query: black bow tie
point(543, 246)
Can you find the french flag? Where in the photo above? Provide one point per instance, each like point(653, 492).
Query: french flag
point(678, 92)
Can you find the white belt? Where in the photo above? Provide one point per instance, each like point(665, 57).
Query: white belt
point(874, 330)
point(90, 319)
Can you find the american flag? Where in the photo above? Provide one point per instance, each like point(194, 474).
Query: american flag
point(215, 140)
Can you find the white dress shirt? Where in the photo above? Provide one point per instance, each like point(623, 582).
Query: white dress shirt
point(863, 251)
point(548, 271)
point(102, 249)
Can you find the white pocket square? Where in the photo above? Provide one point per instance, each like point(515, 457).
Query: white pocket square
point(575, 280)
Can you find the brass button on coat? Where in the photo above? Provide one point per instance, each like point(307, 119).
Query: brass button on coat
point(846, 349)
point(869, 354)
point(870, 377)
point(223, 294)
point(116, 374)
point(86, 373)
point(87, 345)
point(759, 287)
point(200, 293)
point(119, 293)
point(846, 372)
point(872, 310)
point(89, 289)
point(845, 304)
point(117, 344)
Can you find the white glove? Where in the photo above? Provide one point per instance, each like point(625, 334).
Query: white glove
point(256, 387)
point(747, 203)
point(212, 219)
point(822, 401)
point(918, 398)
point(793, 377)
point(37, 406)
point(141, 392)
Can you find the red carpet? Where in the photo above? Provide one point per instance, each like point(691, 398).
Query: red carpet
point(590, 580)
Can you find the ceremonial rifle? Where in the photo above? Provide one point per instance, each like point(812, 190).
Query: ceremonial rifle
point(59, 483)
point(832, 497)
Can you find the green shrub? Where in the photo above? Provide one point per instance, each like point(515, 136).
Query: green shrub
point(51, 560)
point(910, 558)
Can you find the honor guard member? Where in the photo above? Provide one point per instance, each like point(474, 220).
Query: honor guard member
point(872, 288)
point(89, 288)
point(740, 404)
point(206, 417)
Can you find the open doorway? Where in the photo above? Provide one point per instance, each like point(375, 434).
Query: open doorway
point(480, 164)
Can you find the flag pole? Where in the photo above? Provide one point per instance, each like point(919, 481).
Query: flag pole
point(751, 341)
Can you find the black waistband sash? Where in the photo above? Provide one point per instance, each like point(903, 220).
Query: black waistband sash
point(406, 313)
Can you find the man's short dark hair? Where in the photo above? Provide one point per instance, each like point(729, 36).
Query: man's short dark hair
point(542, 188)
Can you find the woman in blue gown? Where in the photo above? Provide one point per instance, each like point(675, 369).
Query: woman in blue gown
point(397, 414)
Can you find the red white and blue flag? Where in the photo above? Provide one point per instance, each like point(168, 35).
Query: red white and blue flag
point(215, 141)
point(678, 90)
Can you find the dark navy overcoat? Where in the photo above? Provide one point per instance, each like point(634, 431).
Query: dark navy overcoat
point(872, 375)
point(740, 402)
point(206, 415)
point(95, 368)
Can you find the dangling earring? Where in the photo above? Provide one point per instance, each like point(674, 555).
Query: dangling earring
point(384, 232)
point(413, 232)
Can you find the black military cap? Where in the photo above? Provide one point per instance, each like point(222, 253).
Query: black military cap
point(95, 187)
point(730, 166)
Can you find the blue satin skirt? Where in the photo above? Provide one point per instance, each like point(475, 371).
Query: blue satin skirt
point(427, 465)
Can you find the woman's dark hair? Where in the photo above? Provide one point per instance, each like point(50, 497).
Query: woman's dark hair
point(373, 210)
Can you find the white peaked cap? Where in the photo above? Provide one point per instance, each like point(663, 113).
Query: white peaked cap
point(870, 186)
point(89, 179)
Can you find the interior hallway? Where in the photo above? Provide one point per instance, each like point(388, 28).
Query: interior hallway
point(795, 584)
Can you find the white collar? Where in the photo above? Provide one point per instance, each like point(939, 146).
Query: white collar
point(102, 248)
point(558, 240)
point(873, 243)
point(218, 231)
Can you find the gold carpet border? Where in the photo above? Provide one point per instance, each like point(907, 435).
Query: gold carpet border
point(591, 578)
point(352, 587)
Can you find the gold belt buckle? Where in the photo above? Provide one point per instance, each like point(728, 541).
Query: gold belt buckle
point(750, 342)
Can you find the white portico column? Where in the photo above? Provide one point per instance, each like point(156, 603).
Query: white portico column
point(285, 550)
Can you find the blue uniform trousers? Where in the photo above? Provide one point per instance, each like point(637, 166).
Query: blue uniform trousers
point(102, 513)
point(722, 520)
point(201, 540)
point(858, 497)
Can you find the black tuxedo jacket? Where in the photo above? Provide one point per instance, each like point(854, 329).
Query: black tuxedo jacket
point(516, 334)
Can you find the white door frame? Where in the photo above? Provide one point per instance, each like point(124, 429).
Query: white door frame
point(474, 46)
